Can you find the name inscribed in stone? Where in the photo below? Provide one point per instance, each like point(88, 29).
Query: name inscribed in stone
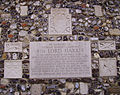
point(60, 59)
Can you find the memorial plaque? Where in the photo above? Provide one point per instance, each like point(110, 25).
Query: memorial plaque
point(107, 67)
point(60, 59)
point(106, 45)
point(13, 69)
point(60, 21)
point(13, 47)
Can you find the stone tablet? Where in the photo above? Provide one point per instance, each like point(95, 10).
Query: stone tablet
point(106, 45)
point(83, 88)
point(60, 21)
point(24, 10)
point(36, 89)
point(4, 81)
point(107, 67)
point(13, 47)
point(60, 59)
point(98, 10)
point(13, 69)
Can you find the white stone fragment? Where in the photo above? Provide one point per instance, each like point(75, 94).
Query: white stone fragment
point(37, 3)
point(78, 11)
point(23, 33)
point(13, 26)
point(24, 10)
point(83, 88)
point(93, 39)
point(33, 16)
point(14, 56)
point(17, 93)
point(98, 10)
point(48, 6)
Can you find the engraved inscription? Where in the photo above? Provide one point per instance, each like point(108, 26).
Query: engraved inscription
point(60, 59)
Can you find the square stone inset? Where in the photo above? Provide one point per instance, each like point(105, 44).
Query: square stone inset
point(108, 67)
point(60, 21)
point(13, 69)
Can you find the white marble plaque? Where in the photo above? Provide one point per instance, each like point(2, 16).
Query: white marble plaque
point(13, 47)
point(24, 10)
point(36, 89)
point(83, 88)
point(60, 21)
point(13, 69)
point(106, 45)
point(60, 59)
point(107, 67)
point(98, 10)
